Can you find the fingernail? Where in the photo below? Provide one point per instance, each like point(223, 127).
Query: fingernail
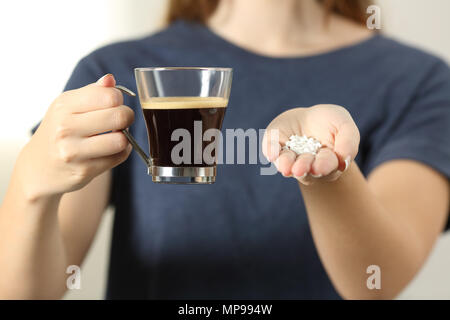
point(287, 176)
point(347, 163)
point(303, 176)
point(99, 80)
point(316, 176)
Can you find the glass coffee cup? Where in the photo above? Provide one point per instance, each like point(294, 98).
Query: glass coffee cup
point(183, 110)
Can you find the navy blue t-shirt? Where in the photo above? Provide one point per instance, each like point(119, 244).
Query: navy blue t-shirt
point(247, 235)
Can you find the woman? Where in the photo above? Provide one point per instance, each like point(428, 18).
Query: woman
point(248, 235)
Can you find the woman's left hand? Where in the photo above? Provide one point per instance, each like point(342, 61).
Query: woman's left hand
point(332, 125)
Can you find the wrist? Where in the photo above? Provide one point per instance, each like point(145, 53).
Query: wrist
point(28, 184)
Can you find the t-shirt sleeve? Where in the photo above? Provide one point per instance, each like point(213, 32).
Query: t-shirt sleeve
point(422, 131)
point(86, 71)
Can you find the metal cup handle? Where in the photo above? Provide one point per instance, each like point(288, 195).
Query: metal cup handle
point(147, 160)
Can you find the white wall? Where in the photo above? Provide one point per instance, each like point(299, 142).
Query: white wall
point(42, 40)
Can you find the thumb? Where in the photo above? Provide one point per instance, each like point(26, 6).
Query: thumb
point(271, 144)
point(346, 144)
point(107, 80)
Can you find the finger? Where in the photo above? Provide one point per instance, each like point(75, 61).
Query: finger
point(100, 121)
point(100, 165)
point(102, 145)
point(346, 143)
point(92, 97)
point(302, 164)
point(324, 163)
point(271, 144)
point(285, 161)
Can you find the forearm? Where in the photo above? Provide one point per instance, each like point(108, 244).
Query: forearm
point(352, 230)
point(32, 258)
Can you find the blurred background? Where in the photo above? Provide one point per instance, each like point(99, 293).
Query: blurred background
point(43, 40)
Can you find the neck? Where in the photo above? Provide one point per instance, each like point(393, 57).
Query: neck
point(277, 28)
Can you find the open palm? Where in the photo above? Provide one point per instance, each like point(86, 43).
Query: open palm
point(332, 125)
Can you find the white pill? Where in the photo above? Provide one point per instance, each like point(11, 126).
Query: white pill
point(303, 144)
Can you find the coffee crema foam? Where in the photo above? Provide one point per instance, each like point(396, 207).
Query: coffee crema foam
point(184, 103)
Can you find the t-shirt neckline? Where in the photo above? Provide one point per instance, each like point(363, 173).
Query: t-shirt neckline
point(212, 36)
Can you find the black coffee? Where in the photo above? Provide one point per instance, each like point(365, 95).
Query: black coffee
point(164, 115)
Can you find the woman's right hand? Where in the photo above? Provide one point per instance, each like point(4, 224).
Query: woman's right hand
point(70, 147)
